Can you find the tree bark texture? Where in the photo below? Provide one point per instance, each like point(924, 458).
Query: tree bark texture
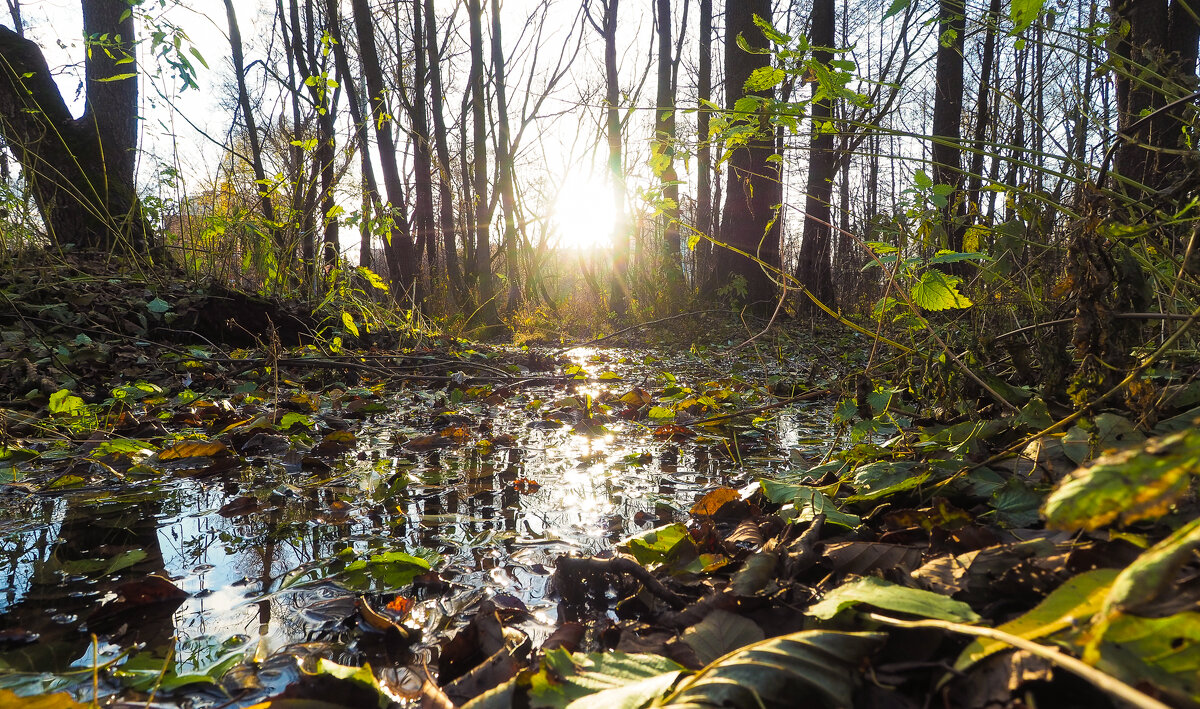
point(815, 267)
point(947, 114)
point(80, 171)
point(754, 189)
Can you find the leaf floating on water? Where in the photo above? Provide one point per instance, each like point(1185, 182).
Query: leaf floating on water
point(194, 449)
point(633, 679)
point(712, 502)
point(11, 699)
point(526, 486)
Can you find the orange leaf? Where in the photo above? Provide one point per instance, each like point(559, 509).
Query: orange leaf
point(711, 503)
point(194, 449)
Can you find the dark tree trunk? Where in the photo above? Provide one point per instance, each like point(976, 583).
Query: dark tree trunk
point(399, 250)
point(1161, 41)
point(947, 114)
point(618, 298)
point(815, 267)
point(423, 152)
point(80, 171)
point(445, 191)
point(664, 136)
point(704, 201)
point(754, 189)
point(487, 312)
point(983, 117)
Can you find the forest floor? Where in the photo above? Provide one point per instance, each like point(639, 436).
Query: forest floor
point(201, 515)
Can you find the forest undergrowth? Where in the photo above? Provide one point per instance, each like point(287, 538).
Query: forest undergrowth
point(937, 537)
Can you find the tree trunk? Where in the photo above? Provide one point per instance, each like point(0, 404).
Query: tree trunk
point(815, 267)
point(947, 114)
point(445, 191)
point(704, 202)
point(80, 171)
point(423, 153)
point(487, 312)
point(754, 189)
point(504, 163)
point(664, 147)
point(983, 116)
point(399, 250)
point(618, 298)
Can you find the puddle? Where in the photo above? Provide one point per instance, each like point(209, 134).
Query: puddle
point(492, 518)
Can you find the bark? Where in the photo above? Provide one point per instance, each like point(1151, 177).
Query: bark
point(423, 152)
point(445, 191)
point(704, 201)
point(664, 137)
point(1156, 65)
point(618, 298)
point(815, 267)
point(504, 162)
point(80, 171)
point(947, 114)
point(256, 151)
point(399, 250)
point(486, 312)
point(983, 110)
point(754, 189)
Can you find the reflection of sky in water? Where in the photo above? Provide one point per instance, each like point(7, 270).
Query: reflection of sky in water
point(455, 501)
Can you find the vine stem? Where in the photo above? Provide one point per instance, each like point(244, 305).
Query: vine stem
point(1101, 680)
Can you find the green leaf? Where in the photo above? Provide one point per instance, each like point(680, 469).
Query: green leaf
point(348, 322)
point(885, 595)
point(883, 478)
point(663, 545)
point(922, 180)
point(64, 402)
point(1127, 486)
point(1153, 572)
point(292, 418)
point(1162, 652)
point(1023, 13)
point(800, 669)
point(896, 8)
point(764, 78)
point(566, 678)
point(957, 256)
point(938, 291)
point(661, 413)
point(118, 77)
point(1075, 601)
point(811, 502)
point(158, 306)
point(720, 633)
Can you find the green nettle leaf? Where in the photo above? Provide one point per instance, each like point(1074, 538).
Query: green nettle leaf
point(922, 180)
point(1127, 486)
point(1024, 12)
point(158, 306)
point(765, 77)
point(938, 291)
point(801, 669)
point(888, 596)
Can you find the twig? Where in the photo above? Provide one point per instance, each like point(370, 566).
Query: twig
point(1102, 681)
point(806, 396)
point(576, 568)
point(639, 326)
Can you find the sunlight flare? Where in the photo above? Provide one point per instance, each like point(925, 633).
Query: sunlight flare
point(582, 217)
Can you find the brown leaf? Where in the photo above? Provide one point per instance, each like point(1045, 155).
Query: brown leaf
point(864, 557)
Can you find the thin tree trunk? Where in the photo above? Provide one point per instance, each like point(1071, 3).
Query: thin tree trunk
point(445, 191)
point(504, 163)
point(983, 113)
point(618, 297)
point(664, 148)
point(423, 218)
point(487, 312)
point(256, 160)
point(704, 202)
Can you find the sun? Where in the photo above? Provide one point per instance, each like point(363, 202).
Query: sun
point(582, 216)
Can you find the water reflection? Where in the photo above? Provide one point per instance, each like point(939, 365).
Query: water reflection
point(229, 543)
